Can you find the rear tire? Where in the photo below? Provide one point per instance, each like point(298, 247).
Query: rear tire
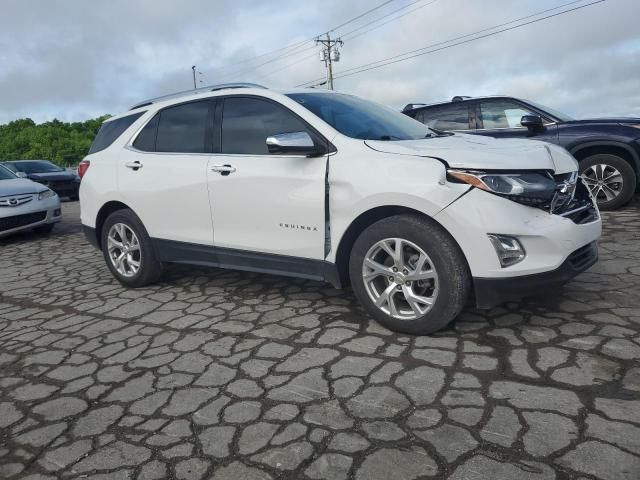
point(611, 180)
point(128, 250)
point(429, 267)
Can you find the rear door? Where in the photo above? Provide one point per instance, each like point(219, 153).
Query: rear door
point(500, 118)
point(163, 175)
point(264, 202)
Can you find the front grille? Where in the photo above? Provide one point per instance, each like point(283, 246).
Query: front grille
point(16, 221)
point(579, 208)
point(584, 256)
point(15, 200)
point(586, 214)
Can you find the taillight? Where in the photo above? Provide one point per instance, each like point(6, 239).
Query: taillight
point(83, 166)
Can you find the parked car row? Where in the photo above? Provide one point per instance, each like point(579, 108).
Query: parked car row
point(332, 187)
point(64, 182)
point(26, 205)
point(607, 149)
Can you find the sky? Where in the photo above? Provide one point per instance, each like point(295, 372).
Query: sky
point(74, 59)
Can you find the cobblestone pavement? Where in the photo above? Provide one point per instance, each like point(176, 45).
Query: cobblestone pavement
point(232, 376)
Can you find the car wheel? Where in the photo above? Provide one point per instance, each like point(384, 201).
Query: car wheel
point(611, 180)
point(128, 250)
point(409, 274)
point(44, 229)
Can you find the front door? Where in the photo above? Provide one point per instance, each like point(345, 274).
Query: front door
point(500, 118)
point(264, 202)
point(162, 176)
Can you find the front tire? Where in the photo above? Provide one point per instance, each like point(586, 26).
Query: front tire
point(409, 274)
point(128, 250)
point(611, 180)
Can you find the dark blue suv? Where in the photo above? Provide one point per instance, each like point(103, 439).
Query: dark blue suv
point(607, 149)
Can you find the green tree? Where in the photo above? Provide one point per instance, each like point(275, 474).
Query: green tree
point(60, 142)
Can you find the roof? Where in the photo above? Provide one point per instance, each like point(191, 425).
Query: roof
point(457, 98)
point(196, 91)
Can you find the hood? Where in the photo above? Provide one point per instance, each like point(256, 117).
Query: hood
point(604, 121)
point(19, 186)
point(52, 176)
point(483, 153)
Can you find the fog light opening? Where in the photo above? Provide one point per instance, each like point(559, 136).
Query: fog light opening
point(509, 249)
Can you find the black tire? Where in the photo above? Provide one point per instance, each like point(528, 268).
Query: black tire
point(44, 229)
point(454, 278)
point(150, 269)
point(629, 179)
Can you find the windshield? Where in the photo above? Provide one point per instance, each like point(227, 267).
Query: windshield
point(36, 166)
point(563, 117)
point(358, 118)
point(6, 174)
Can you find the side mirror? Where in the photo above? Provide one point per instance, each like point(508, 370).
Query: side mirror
point(21, 175)
point(299, 143)
point(532, 122)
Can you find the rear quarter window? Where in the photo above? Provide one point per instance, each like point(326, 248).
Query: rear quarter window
point(111, 130)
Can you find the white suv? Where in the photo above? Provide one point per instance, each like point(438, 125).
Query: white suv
point(332, 187)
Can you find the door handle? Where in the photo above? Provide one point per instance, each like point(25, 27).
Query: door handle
point(133, 165)
point(223, 169)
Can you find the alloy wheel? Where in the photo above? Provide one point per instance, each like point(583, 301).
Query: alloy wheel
point(400, 278)
point(123, 247)
point(604, 181)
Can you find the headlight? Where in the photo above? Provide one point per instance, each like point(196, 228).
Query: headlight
point(46, 194)
point(522, 187)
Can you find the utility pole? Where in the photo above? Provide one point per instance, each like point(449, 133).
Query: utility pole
point(328, 55)
point(193, 70)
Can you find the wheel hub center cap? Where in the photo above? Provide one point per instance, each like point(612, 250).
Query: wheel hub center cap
point(399, 278)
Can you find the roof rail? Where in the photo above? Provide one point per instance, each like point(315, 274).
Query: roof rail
point(459, 98)
point(195, 91)
point(411, 106)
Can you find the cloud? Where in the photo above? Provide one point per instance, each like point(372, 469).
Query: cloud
point(76, 59)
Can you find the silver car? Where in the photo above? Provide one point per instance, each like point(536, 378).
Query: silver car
point(26, 205)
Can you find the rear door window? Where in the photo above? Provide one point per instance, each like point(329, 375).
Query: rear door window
point(111, 130)
point(183, 128)
point(449, 117)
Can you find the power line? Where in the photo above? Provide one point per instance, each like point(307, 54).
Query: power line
point(298, 45)
point(288, 65)
point(346, 36)
point(250, 69)
point(431, 48)
point(353, 36)
point(358, 17)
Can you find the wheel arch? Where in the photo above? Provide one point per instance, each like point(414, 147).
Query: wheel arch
point(587, 149)
point(364, 220)
point(104, 212)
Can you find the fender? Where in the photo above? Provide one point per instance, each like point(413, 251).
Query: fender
point(608, 143)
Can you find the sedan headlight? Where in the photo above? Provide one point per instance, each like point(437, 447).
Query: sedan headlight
point(529, 188)
point(46, 194)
